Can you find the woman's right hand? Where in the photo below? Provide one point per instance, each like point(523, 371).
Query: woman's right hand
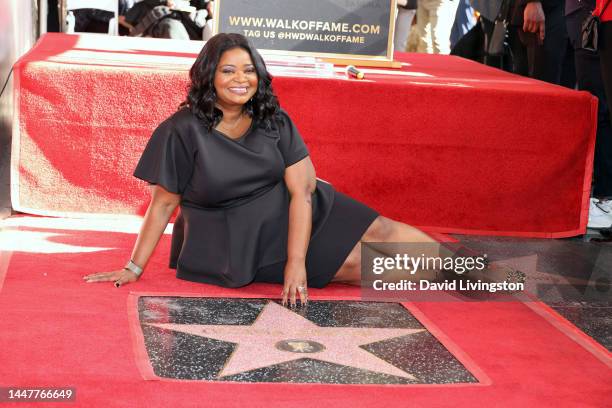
point(119, 277)
point(162, 205)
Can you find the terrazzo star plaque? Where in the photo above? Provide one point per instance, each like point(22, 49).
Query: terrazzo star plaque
point(258, 340)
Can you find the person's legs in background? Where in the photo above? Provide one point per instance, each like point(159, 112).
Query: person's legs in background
point(403, 24)
point(588, 74)
point(589, 78)
point(568, 68)
point(413, 39)
point(546, 60)
point(605, 145)
point(441, 20)
point(423, 26)
point(464, 21)
point(520, 64)
point(605, 55)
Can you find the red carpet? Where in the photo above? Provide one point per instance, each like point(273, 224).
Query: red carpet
point(445, 144)
point(59, 331)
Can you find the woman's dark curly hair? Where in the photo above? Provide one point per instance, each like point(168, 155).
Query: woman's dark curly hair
point(201, 96)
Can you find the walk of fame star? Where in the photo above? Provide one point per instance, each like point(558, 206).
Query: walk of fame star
point(280, 335)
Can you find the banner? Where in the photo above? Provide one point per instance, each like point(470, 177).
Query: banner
point(340, 28)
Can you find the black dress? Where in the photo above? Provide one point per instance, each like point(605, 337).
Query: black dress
point(233, 224)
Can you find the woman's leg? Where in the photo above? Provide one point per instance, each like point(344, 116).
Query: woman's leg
point(386, 230)
point(441, 19)
point(382, 230)
point(350, 271)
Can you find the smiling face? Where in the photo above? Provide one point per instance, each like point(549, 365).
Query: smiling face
point(235, 79)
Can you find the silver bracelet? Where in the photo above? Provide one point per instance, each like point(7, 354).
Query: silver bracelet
point(132, 267)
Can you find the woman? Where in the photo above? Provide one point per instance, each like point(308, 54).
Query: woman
point(252, 209)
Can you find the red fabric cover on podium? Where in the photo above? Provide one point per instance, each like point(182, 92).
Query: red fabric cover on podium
point(445, 144)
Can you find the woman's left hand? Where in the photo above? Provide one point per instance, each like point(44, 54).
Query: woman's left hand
point(295, 282)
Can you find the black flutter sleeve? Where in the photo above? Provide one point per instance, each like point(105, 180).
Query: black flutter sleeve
point(291, 144)
point(167, 160)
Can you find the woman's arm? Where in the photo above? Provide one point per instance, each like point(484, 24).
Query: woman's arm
point(301, 182)
point(163, 203)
